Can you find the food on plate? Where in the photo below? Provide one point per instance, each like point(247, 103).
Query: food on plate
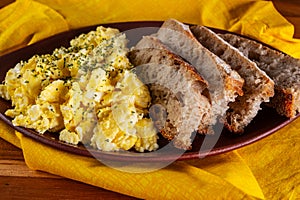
point(283, 69)
point(176, 88)
point(87, 92)
point(178, 81)
point(258, 86)
point(224, 84)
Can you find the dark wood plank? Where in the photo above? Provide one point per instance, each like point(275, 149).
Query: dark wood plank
point(45, 188)
point(9, 151)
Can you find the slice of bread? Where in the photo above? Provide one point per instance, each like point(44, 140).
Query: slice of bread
point(224, 84)
point(180, 105)
point(258, 86)
point(283, 69)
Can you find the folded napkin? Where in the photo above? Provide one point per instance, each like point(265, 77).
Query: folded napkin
point(268, 169)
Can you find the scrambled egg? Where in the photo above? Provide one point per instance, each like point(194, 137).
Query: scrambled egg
point(86, 92)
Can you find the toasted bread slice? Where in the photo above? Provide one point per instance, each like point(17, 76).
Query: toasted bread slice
point(283, 69)
point(176, 88)
point(224, 84)
point(258, 86)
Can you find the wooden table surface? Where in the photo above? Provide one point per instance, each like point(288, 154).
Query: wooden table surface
point(17, 181)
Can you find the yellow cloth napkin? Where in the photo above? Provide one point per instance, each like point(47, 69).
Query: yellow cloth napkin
point(268, 169)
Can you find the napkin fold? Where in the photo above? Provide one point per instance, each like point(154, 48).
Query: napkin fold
point(25, 22)
point(268, 169)
point(179, 180)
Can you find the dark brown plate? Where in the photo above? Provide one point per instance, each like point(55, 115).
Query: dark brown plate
point(265, 123)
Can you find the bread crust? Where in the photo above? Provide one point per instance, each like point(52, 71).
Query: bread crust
point(284, 102)
point(151, 50)
point(209, 60)
point(258, 86)
point(224, 83)
point(283, 69)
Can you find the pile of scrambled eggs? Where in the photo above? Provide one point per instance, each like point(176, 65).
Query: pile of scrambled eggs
point(86, 92)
